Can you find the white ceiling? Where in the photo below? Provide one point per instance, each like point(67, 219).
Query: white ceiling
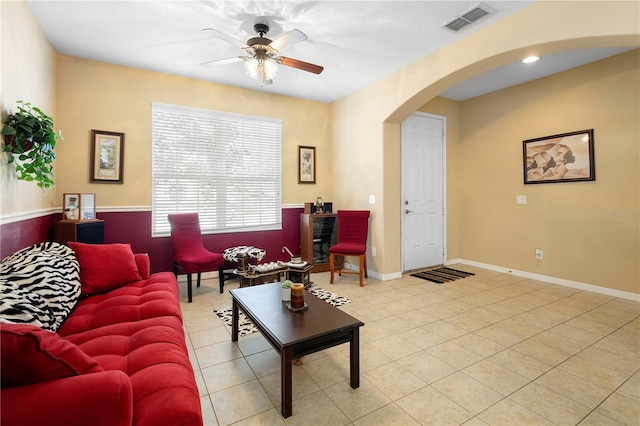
point(357, 42)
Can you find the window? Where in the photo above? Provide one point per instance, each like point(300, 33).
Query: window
point(226, 167)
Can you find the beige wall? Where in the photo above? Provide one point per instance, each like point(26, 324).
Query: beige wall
point(101, 96)
point(27, 74)
point(357, 118)
point(589, 231)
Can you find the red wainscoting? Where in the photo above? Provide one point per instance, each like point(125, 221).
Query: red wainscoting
point(135, 228)
point(18, 235)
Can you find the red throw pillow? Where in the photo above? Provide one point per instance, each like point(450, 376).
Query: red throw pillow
point(31, 355)
point(104, 267)
point(144, 265)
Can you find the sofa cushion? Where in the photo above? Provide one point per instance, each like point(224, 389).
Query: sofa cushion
point(31, 355)
point(104, 267)
point(153, 353)
point(139, 300)
point(40, 285)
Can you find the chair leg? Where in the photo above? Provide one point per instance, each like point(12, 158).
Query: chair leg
point(221, 278)
point(199, 273)
point(331, 266)
point(189, 289)
point(366, 272)
point(362, 269)
point(175, 269)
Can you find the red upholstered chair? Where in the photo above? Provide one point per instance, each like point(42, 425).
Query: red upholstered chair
point(353, 226)
point(189, 253)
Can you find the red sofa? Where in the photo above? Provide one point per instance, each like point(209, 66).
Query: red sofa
point(117, 357)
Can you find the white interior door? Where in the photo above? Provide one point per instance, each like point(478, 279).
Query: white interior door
point(422, 191)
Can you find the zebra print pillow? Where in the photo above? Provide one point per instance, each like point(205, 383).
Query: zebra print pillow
point(40, 285)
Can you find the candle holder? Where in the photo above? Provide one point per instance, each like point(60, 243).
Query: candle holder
point(297, 298)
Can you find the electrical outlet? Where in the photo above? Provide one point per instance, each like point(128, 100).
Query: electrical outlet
point(372, 199)
point(521, 199)
point(373, 251)
point(539, 254)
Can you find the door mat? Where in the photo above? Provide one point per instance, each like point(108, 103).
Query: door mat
point(245, 326)
point(442, 275)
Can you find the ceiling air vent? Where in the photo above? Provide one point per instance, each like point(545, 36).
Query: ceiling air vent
point(466, 18)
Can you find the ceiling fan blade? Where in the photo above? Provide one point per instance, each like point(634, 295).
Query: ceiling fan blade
point(301, 65)
point(224, 61)
point(223, 36)
point(289, 39)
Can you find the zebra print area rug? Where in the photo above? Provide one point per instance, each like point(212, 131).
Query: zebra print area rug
point(331, 298)
point(245, 325)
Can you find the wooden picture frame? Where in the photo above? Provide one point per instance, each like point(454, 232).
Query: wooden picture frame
point(107, 156)
point(567, 157)
point(79, 207)
point(306, 164)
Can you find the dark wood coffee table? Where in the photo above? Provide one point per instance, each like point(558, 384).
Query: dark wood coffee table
point(294, 334)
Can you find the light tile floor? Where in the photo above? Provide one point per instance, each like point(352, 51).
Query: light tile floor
point(492, 349)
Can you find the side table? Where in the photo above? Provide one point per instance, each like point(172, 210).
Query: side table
point(247, 279)
point(84, 231)
point(300, 275)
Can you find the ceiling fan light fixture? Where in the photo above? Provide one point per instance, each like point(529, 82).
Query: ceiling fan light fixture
point(251, 67)
point(262, 70)
point(262, 62)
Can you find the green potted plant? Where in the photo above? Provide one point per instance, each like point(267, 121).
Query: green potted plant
point(29, 138)
point(285, 290)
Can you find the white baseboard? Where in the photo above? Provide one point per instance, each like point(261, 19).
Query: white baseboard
point(551, 280)
point(374, 274)
point(384, 277)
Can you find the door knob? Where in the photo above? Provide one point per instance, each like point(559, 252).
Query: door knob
point(407, 211)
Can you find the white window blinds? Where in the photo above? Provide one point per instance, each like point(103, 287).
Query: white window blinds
point(225, 167)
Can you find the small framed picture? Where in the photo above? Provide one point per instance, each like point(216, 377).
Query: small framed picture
point(87, 206)
point(307, 164)
point(107, 156)
point(567, 157)
point(78, 206)
point(71, 206)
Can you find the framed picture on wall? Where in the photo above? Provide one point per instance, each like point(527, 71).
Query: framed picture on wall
point(307, 164)
point(567, 157)
point(107, 156)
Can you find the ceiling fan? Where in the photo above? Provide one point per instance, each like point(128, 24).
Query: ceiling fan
point(262, 63)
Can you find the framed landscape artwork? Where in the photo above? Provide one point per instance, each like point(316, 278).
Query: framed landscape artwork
point(107, 156)
point(307, 164)
point(567, 157)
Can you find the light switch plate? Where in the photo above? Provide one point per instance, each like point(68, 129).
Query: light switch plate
point(521, 199)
